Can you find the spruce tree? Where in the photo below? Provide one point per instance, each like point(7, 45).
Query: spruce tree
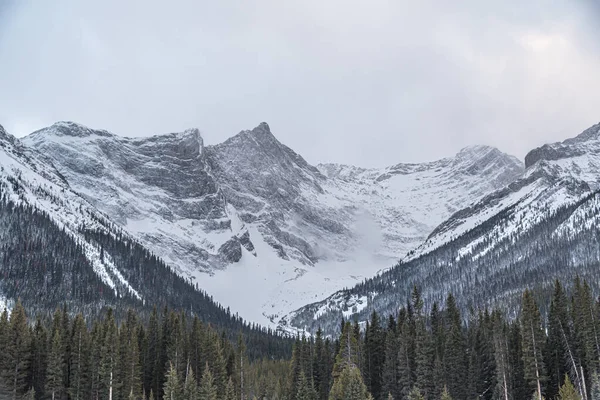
point(445, 394)
point(455, 362)
point(390, 365)
point(109, 357)
point(230, 390)
point(374, 356)
point(79, 360)
point(16, 356)
point(349, 385)
point(55, 381)
point(415, 394)
point(559, 353)
point(190, 386)
point(172, 388)
point(39, 359)
point(306, 390)
point(425, 349)
point(208, 388)
point(567, 391)
point(348, 354)
point(129, 358)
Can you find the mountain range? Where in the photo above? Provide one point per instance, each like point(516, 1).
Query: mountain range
point(260, 230)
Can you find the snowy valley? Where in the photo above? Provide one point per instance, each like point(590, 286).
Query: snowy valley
point(251, 222)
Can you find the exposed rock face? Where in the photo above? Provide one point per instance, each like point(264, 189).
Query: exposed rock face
point(585, 144)
point(203, 208)
point(544, 225)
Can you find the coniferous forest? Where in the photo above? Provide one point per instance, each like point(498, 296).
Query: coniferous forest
point(412, 355)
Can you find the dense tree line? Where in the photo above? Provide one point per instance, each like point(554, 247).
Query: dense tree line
point(169, 357)
point(46, 267)
point(487, 266)
point(412, 355)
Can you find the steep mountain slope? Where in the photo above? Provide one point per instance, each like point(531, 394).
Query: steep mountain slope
point(542, 226)
point(252, 213)
point(56, 249)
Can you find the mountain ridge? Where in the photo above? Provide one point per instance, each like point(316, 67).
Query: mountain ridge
point(522, 233)
point(216, 213)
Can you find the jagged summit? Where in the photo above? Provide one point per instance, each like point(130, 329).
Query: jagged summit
point(298, 230)
point(74, 129)
point(592, 133)
point(586, 143)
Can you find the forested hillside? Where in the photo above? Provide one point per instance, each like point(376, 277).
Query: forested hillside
point(488, 266)
point(47, 268)
point(410, 355)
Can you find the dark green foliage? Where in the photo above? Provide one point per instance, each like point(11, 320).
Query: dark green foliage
point(455, 352)
point(532, 339)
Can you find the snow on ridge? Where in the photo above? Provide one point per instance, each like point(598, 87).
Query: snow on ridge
point(67, 209)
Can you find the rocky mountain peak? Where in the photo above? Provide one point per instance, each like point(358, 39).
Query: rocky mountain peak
point(70, 128)
point(586, 143)
point(592, 133)
point(183, 145)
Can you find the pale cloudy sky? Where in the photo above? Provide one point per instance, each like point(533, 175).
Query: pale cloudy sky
point(367, 82)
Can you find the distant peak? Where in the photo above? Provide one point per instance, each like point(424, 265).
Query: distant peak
point(5, 136)
point(591, 133)
point(263, 127)
point(476, 150)
point(74, 129)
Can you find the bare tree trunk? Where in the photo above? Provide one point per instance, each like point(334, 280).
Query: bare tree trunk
point(583, 382)
point(110, 389)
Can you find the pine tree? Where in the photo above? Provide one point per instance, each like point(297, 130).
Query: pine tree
point(532, 338)
point(567, 391)
point(97, 340)
point(390, 365)
point(348, 354)
point(306, 390)
point(349, 385)
point(55, 380)
point(154, 370)
point(455, 362)
point(79, 360)
point(190, 387)
point(425, 349)
point(29, 395)
point(16, 355)
point(129, 358)
point(172, 388)
point(230, 390)
point(208, 388)
point(483, 362)
point(415, 394)
point(374, 355)
point(109, 357)
point(240, 364)
point(39, 352)
point(216, 361)
point(502, 356)
point(445, 394)
point(518, 388)
point(559, 353)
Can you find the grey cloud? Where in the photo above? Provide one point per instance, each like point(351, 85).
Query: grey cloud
point(362, 82)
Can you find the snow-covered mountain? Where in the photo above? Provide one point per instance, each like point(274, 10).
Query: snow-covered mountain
point(30, 180)
point(252, 222)
point(542, 226)
point(56, 249)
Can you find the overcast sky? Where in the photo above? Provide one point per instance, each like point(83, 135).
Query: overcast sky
point(369, 82)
